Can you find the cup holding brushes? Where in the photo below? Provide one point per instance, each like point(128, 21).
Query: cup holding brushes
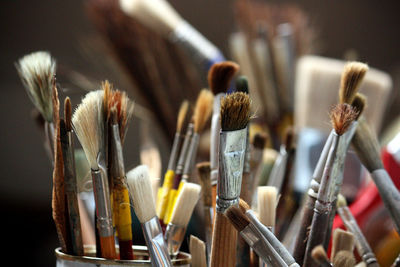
point(176, 228)
point(88, 123)
point(139, 185)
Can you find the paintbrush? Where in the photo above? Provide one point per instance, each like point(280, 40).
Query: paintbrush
point(37, 72)
point(88, 123)
point(203, 169)
point(344, 259)
point(198, 252)
point(201, 115)
point(253, 238)
point(267, 201)
point(319, 255)
point(176, 228)
point(143, 203)
point(347, 92)
point(161, 17)
point(256, 158)
point(219, 78)
point(162, 199)
point(342, 115)
point(363, 248)
point(70, 183)
point(235, 115)
point(341, 241)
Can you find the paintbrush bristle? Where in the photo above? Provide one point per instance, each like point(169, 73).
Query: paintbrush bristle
point(243, 205)
point(242, 85)
point(342, 115)
point(204, 170)
point(141, 192)
point(88, 124)
point(341, 201)
point(37, 72)
point(197, 249)
point(319, 254)
point(203, 109)
point(220, 76)
point(359, 103)
point(344, 259)
point(289, 138)
point(342, 240)
point(237, 218)
point(352, 77)
point(235, 111)
point(185, 204)
point(259, 140)
point(183, 110)
point(68, 114)
point(267, 202)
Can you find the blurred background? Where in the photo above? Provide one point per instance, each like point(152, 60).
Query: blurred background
point(69, 30)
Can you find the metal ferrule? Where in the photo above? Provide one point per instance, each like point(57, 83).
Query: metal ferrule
point(247, 157)
point(103, 204)
point(191, 154)
point(278, 170)
point(232, 153)
point(174, 151)
point(214, 140)
point(174, 235)
point(252, 238)
point(196, 44)
point(118, 168)
point(272, 239)
point(184, 150)
point(155, 242)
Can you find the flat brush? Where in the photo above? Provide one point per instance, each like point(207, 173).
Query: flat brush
point(162, 18)
point(256, 158)
point(344, 259)
point(341, 241)
point(319, 255)
point(70, 183)
point(198, 252)
point(162, 200)
point(176, 228)
point(143, 203)
point(267, 201)
point(363, 248)
point(342, 116)
point(88, 123)
point(235, 115)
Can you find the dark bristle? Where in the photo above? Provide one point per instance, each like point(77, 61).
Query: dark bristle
point(342, 115)
point(237, 218)
point(113, 116)
point(235, 111)
point(242, 85)
point(68, 114)
point(359, 104)
point(259, 140)
point(319, 254)
point(203, 167)
point(289, 138)
point(220, 76)
point(243, 205)
point(344, 259)
point(352, 77)
point(204, 170)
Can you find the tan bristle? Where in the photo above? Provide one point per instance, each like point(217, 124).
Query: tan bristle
point(342, 115)
point(344, 259)
point(267, 197)
point(203, 169)
point(243, 205)
point(341, 201)
point(197, 249)
point(203, 109)
point(37, 73)
point(88, 125)
point(259, 140)
point(185, 204)
point(342, 240)
point(220, 76)
point(235, 111)
point(359, 103)
point(183, 110)
point(107, 95)
point(68, 114)
point(319, 254)
point(352, 77)
point(361, 264)
point(237, 218)
point(139, 185)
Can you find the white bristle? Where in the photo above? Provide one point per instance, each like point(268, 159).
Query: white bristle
point(185, 204)
point(197, 249)
point(155, 14)
point(88, 125)
point(267, 198)
point(37, 72)
point(139, 185)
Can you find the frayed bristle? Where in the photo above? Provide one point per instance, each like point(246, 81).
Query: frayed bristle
point(68, 114)
point(267, 202)
point(259, 140)
point(203, 109)
point(237, 218)
point(342, 115)
point(341, 201)
point(185, 204)
point(183, 111)
point(88, 124)
point(37, 72)
point(289, 138)
point(242, 85)
point(352, 77)
point(235, 111)
point(319, 254)
point(141, 192)
point(243, 205)
point(359, 104)
point(344, 259)
point(220, 76)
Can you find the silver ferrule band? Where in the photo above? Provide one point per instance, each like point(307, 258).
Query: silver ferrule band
point(191, 154)
point(174, 235)
point(215, 130)
point(184, 149)
point(223, 204)
point(155, 242)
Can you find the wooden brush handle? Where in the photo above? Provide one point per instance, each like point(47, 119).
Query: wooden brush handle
point(306, 219)
point(223, 249)
point(108, 247)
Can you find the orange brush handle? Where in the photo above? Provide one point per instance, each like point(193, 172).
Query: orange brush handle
point(108, 247)
point(214, 199)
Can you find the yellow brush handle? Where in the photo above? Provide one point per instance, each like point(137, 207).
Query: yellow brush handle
point(172, 201)
point(162, 199)
point(123, 216)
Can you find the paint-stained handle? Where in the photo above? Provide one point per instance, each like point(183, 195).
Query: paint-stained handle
point(108, 247)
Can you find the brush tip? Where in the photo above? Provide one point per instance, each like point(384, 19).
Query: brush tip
point(352, 77)
point(237, 218)
point(319, 254)
point(185, 203)
point(267, 201)
point(342, 115)
point(68, 114)
point(203, 109)
point(235, 111)
point(220, 75)
point(183, 110)
point(259, 140)
point(242, 84)
point(203, 168)
point(243, 205)
point(359, 104)
point(344, 259)
point(341, 201)
point(289, 139)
